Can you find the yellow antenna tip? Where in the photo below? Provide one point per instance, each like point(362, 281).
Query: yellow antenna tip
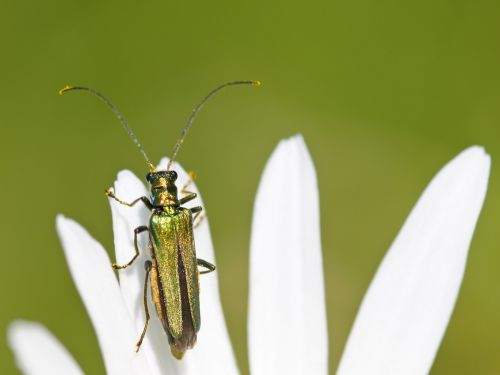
point(256, 83)
point(64, 89)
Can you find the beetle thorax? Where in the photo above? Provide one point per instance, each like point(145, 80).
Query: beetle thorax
point(165, 197)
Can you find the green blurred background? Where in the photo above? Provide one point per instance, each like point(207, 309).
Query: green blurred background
point(384, 92)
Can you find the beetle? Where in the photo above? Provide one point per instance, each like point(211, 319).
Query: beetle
point(172, 271)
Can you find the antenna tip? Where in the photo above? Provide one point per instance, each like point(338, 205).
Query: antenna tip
point(65, 88)
point(256, 83)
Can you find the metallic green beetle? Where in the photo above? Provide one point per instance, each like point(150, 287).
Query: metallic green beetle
point(173, 269)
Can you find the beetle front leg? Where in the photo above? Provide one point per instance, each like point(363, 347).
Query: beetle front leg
point(137, 230)
point(111, 194)
point(203, 263)
point(147, 266)
point(192, 177)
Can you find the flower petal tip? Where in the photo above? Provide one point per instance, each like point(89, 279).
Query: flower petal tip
point(20, 330)
point(294, 145)
point(61, 223)
point(67, 228)
point(15, 329)
point(292, 153)
point(128, 186)
point(59, 218)
point(164, 162)
point(37, 351)
point(474, 155)
point(124, 174)
point(477, 149)
point(473, 161)
point(294, 140)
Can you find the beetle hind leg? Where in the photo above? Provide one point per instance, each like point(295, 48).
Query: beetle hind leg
point(147, 266)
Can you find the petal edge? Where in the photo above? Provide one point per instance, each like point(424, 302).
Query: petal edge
point(406, 309)
point(287, 331)
point(38, 352)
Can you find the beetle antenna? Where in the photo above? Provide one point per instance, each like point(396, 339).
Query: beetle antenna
point(117, 113)
point(195, 111)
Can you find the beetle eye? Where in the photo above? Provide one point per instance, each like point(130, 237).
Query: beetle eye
point(148, 176)
point(173, 175)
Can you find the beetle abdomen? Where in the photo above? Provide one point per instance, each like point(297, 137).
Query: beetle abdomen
point(174, 278)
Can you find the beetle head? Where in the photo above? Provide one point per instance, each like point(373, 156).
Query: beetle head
point(163, 189)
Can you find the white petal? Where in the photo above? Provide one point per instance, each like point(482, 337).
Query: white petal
point(212, 353)
point(38, 352)
point(287, 316)
point(94, 278)
point(405, 312)
point(125, 219)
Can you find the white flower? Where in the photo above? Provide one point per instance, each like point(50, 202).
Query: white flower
point(398, 328)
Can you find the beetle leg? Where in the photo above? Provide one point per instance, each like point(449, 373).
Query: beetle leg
point(197, 215)
point(207, 265)
point(196, 210)
point(147, 266)
point(198, 219)
point(137, 230)
point(192, 177)
point(111, 194)
point(189, 195)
